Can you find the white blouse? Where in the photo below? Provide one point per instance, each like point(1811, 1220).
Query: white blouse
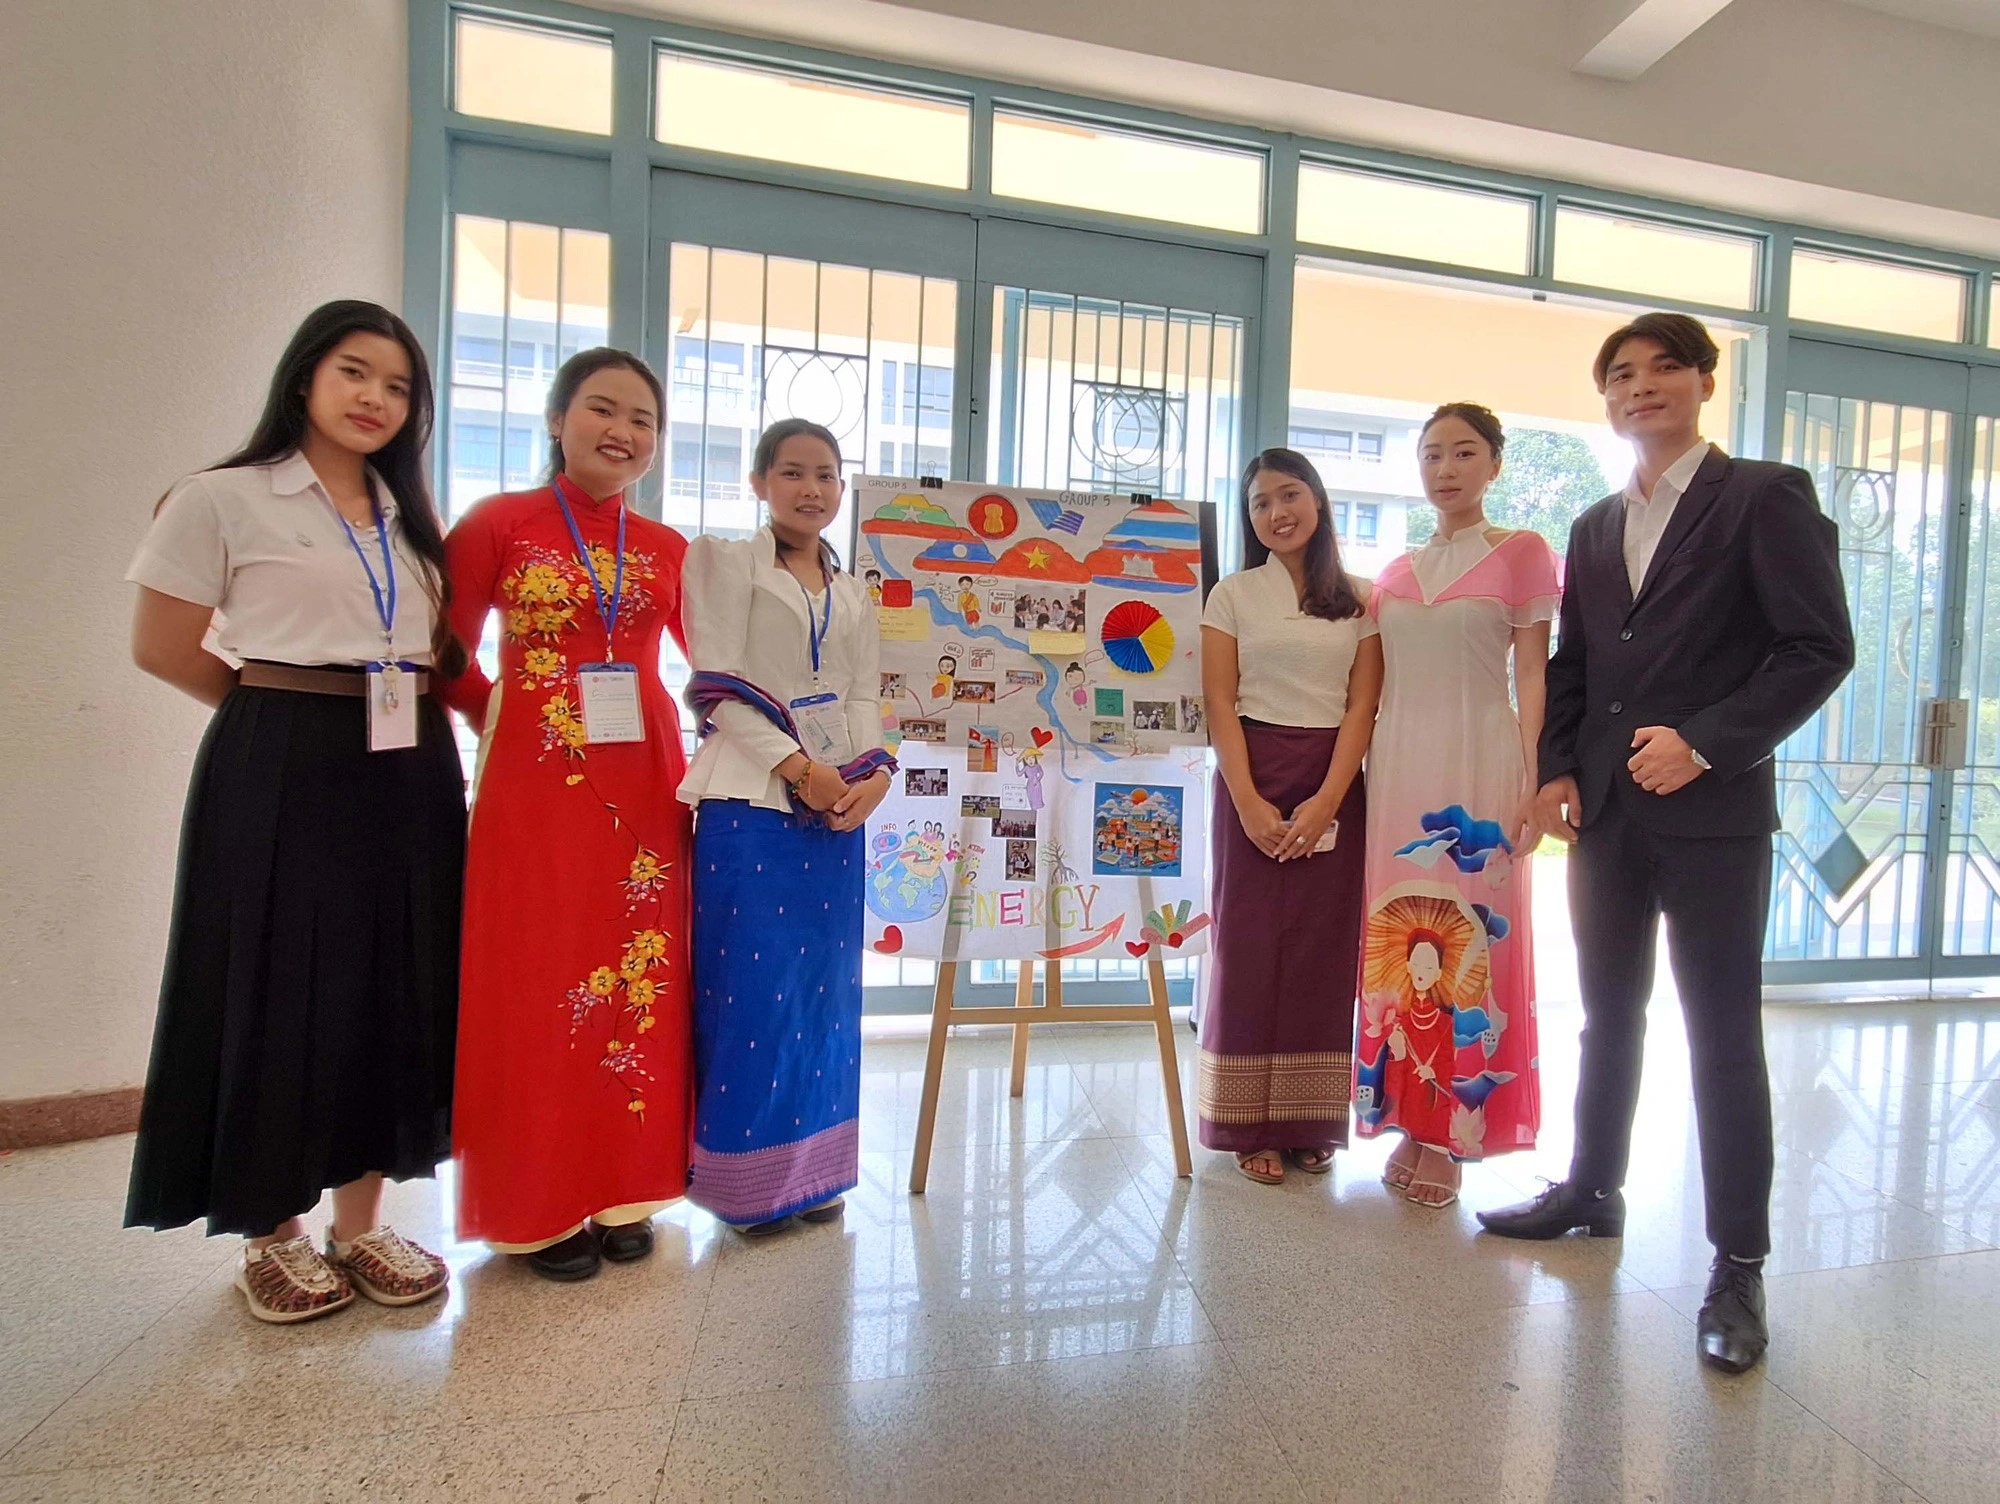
point(264, 546)
point(746, 615)
point(1291, 668)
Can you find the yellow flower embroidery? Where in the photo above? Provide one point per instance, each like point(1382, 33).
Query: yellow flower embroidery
point(637, 1104)
point(557, 710)
point(640, 993)
point(572, 732)
point(645, 867)
point(542, 663)
point(632, 968)
point(612, 1047)
point(519, 623)
point(650, 944)
point(551, 620)
point(604, 981)
point(541, 583)
point(647, 1022)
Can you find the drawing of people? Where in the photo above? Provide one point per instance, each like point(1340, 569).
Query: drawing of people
point(947, 676)
point(1028, 767)
point(872, 579)
point(968, 601)
point(1078, 687)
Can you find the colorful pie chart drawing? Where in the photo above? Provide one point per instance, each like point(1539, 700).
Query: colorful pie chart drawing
point(1137, 639)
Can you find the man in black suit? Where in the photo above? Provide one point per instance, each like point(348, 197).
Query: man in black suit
point(1703, 621)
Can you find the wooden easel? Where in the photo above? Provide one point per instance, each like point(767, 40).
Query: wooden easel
point(1052, 1010)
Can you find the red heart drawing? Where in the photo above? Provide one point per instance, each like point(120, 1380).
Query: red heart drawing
point(891, 941)
point(1138, 947)
point(1042, 736)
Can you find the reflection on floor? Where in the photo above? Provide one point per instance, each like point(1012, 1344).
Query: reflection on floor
point(1060, 1318)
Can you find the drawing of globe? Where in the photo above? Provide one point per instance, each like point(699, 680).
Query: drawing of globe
point(902, 896)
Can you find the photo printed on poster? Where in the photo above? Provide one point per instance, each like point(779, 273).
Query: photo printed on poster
point(1040, 655)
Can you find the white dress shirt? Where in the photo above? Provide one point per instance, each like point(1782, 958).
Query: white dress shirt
point(263, 545)
point(1646, 520)
point(746, 615)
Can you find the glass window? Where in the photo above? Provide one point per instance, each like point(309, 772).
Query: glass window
point(1669, 261)
point(1368, 446)
point(813, 121)
point(1367, 522)
point(1392, 216)
point(1830, 288)
point(539, 293)
point(506, 71)
point(1087, 166)
point(1340, 510)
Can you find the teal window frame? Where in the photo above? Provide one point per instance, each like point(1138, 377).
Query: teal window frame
point(477, 165)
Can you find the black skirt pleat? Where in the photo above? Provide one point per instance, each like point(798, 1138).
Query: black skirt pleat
point(308, 1012)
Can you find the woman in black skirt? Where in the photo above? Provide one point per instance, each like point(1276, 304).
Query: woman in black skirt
point(306, 1027)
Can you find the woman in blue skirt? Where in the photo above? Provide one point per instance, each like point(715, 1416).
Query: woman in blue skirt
point(791, 765)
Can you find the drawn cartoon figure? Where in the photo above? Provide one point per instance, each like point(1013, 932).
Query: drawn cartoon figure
point(873, 580)
point(968, 601)
point(1028, 767)
point(1077, 685)
point(1426, 993)
point(947, 676)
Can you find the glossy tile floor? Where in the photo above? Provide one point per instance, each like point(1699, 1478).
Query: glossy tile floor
point(1060, 1318)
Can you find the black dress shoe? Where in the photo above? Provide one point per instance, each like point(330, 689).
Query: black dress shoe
point(1731, 1332)
point(1561, 1208)
point(626, 1241)
point(575, 1257)
point(826, 1211)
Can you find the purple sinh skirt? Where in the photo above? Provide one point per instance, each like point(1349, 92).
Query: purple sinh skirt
point(1277, 1029)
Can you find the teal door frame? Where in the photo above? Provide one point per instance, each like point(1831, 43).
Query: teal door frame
point(979, 253)
point(1827, 367)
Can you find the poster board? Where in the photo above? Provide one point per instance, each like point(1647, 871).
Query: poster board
point(1041, 687)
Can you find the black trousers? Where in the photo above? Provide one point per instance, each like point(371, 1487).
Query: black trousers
point(1715, 894)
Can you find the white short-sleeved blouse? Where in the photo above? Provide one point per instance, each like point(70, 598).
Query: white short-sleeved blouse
point(1291, 669)
point(264, 546)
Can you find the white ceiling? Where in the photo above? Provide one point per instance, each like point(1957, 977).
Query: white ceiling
point(1981, 17)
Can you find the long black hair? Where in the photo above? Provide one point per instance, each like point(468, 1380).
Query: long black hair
point(1327, 591)
point(578, 369)
point(281, 431)
point(765, 455)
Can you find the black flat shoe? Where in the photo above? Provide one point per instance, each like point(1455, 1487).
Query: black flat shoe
point(826, 1211)
point(1730, 1333)
point(575, 1257)
point(626, 1241)
point(1561, 1208)
point(765, 1229)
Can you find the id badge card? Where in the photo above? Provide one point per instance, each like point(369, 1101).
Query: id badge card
point(822, 723)
point(611, 703)
point(392, 708)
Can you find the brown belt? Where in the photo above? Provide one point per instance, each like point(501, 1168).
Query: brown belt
point(319, 681)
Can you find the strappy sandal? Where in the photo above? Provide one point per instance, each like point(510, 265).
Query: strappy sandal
point(1263, 1177)
point(1313, 1161)
point(1420, 1182)
point(1397, 1177)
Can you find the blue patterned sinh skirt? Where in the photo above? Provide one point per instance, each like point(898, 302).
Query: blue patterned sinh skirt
point(777, 1012)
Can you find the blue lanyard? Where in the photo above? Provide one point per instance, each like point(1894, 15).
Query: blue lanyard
point(816, 631)
point(606, 613)
point(385, 603)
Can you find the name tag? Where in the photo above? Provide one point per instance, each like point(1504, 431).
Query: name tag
point(392, 708)
point(611, 703)
point(822, 723)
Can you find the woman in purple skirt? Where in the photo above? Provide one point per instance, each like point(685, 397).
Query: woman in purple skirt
point(1291, 673)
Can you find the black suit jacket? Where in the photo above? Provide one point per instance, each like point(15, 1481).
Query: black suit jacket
point(1738, 634)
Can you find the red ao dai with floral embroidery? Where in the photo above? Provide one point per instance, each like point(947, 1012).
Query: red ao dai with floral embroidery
point(573, 1078)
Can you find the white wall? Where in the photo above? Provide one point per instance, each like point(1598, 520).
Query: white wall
point(182, 183)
